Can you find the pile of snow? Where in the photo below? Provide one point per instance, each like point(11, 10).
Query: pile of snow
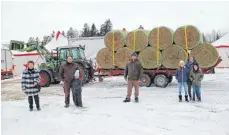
point(222, 46)
point(158, 111)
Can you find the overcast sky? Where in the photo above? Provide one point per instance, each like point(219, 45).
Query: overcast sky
point(21, 20)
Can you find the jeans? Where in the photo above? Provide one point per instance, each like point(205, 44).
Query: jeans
point(196, 90)
point(37, 102)
point(184, 84)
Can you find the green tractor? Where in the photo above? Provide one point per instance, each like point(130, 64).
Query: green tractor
point(49, 71)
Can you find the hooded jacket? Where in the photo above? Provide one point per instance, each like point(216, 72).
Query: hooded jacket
point(196, 76)
point(133, 70)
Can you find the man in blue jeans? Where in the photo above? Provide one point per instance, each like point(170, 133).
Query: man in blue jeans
point(182, 78)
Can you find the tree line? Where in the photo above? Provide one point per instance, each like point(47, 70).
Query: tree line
point(92, 31)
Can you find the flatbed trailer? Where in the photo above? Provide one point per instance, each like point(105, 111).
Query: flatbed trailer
point(161, 76)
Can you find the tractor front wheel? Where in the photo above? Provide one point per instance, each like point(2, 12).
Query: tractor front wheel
point(45, 79)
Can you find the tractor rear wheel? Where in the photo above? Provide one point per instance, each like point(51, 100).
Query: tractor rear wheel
point(45, 79)
point(83, 74)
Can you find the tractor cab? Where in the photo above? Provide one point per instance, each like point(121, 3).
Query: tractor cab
point(77, 53)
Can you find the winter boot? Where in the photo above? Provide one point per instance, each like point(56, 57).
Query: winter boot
point(199, 99)
point(180, 98)
point(67, 102)
point(126, 100)
point(66, 105)
point(190, 98)
point(193, 99)
point(30, 109)
point(186, 98)
point(136, 100)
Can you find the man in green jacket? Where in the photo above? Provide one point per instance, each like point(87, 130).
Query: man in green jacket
point(133, 71)
point(196, 76)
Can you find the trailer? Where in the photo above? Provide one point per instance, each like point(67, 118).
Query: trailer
point(6, 64)
point(161, 76)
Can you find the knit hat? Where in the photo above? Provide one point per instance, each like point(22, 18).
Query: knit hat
point(77, 73)
point(134, 54)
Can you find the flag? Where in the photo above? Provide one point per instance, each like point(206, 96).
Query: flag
point(58, 34)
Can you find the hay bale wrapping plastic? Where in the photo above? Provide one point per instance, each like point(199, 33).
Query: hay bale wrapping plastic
point(122, 57)
point(137, 40)
point(172, 55)
point(205, 54)
point(162, 36)
point(189, 34)
point(149, 59)
point(116, 39)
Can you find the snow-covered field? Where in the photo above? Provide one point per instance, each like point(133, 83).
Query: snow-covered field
point(157, 113)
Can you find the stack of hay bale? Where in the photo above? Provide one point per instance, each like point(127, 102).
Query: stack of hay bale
point(159, 47)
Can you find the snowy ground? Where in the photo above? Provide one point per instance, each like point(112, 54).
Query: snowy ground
point(158, 112)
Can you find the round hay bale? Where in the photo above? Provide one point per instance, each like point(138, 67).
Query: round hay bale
point(148, 58)
point(205, 54)
point(165, 37)
point(122, 57)
point(104, 59)
point(119, 39)
point(141, 40)
point(194, 36)
point(172, 55)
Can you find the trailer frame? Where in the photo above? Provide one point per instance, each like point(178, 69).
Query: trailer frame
point(161, 76)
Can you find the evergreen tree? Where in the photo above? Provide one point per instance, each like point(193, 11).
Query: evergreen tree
point(31, 40)
point(37, 39)
point(86, 31)
point(53, 34)
point(141, 27)
point(93, 31)
point(106, 27)
point(71, 33)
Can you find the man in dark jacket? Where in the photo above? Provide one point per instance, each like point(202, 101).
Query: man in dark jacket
point(133, 71)
point(189, 66)
point(77, 90)
point(30, 85)
point(67, 73)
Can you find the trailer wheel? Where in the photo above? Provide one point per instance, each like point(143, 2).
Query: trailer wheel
point(145, 80)
point(161, 80)
point(45, 79)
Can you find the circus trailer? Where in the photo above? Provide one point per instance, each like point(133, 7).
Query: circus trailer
point(6, 64)
point(222, 46)
point(21, 59)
